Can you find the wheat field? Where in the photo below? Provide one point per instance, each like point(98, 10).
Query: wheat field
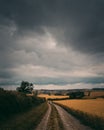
point(52, 96)
point(91, 106)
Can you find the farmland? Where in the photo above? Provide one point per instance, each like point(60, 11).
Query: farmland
point(91, 106)
point(52, 96)
point(95, 94)
point(90, 111)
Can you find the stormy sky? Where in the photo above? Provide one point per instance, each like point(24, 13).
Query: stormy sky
point(52, 43)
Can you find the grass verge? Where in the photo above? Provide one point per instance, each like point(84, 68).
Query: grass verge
point(13, 103)
point(92, 121)
point(27, 120)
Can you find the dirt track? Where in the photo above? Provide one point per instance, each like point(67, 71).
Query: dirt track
point(44, 121)
point(68, 121)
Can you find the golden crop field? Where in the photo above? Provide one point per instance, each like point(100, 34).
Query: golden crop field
point(91, 106)
point(52, 96)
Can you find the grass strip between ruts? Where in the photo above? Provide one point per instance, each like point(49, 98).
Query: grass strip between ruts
point(54, 122)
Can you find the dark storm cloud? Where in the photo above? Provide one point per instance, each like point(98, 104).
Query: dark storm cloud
point(34, 35)
point(64, 81)
point(81, 20)
point(5, 74)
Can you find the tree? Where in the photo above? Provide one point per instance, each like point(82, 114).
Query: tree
point(76, 95)
point(1, 89)
point(25, 87)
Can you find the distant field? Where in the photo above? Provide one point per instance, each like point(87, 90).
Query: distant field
point(52, 96)
point(95, 94)
point(91, 106)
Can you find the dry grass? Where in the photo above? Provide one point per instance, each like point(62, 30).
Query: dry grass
point(91, 106)
point(52, 96)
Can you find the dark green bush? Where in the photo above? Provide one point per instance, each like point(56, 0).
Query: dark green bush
point(12, 102)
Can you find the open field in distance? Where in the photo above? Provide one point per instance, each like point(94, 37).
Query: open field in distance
point(91, 106)
point(94, 94)
point(52, 96)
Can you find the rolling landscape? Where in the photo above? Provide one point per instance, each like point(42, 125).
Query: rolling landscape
point(56, 110)
point(51, 64)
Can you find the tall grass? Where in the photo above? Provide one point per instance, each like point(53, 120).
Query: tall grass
point(12, 102)
point(27, 120)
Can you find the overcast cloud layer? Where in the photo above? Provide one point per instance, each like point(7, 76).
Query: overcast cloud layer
point(54, 43)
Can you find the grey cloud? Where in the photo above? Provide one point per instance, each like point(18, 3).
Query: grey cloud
point(5, 74)
point(76, 25)
point(64, 81)
point(82, 21)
